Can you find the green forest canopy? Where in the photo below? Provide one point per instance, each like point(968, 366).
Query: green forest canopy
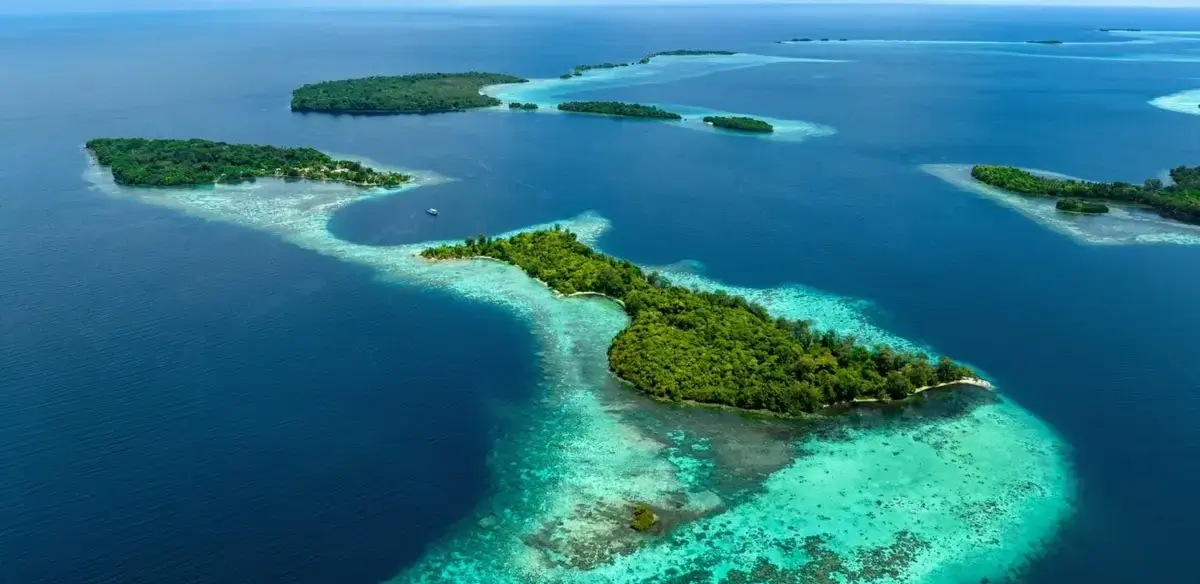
point(741, 123)
point(1078, 206)
point(400, 94)
point(1180, 201)
point(168, 163)
point(616, 108)
point(712, 347)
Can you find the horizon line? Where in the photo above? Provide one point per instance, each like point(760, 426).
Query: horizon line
point(375, 5)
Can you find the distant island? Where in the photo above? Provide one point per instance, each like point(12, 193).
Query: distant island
point(579, 70)
point(1120, 30)
point(1179, 201)
point(1046, 42)
point(173, 163)
point(522, 106)
point(688, 53)
point(423, 93)
point(740, 123)
point(808, 40)
point(1078, 206)
point(616, 108)
point(712, 347)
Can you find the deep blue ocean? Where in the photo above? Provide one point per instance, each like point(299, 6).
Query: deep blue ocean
point(188, 401)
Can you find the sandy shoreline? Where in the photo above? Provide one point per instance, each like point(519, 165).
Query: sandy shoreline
point(556, 292)
point(972, 381)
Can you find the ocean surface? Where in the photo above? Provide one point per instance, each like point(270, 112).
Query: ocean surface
point(184, 399)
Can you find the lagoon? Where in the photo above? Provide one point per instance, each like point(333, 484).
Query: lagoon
point(192, 334)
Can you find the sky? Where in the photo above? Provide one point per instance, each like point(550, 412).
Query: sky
point(54, 6)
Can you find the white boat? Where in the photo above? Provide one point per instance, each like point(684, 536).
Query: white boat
point(431, 212)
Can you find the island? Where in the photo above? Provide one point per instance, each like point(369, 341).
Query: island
point(1120, 30)
point(689, 53)
point(522, 106)
point(1179, 201)
point(616, 108)
point(712, 348)
point(1078, 206)
point(423, 93)
point(174, 163)
point(1045, 42)
point(740, 123)
point(581, 69)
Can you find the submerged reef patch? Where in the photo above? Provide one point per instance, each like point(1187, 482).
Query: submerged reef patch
point(1121, 225)
point(958, 487)
point(1184, 102)
point(548, 93)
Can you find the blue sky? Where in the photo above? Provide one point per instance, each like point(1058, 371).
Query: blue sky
point(40, 6)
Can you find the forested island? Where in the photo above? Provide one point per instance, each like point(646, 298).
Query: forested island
point(423, 93)
point(1078, 206)
point(712, 347)
point(171, 163)
point(1179, 201)
point(1120, 30)
point(1046, 42)
point(579, 70)
point(616, 108)
point(522, 106)
point(740, 123)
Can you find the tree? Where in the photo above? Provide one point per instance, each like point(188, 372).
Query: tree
point(898, 386)
point(947, 371)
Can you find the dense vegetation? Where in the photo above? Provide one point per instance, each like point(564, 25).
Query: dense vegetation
point(1180, 201)
point(741, 123)
point(168, 163)
point(712, 347)
point(643, 517)
point(1046, 42)
point(522, 106)
point(616, 108)
point(1078, 206)
point(400, 94)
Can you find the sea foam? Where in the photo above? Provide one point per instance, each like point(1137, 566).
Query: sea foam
point(548, 93)
point(952, 498)
point(1121, 225)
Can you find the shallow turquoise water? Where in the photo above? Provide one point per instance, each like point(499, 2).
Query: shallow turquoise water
point(1122, 225)
point(965, 507)
point(219, 449)
point(548, 93)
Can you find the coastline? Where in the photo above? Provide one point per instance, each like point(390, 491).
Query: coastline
point(970, 381)
point(552, 290)
point(410, 181)
point(578, 448)
point(1124, 224)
